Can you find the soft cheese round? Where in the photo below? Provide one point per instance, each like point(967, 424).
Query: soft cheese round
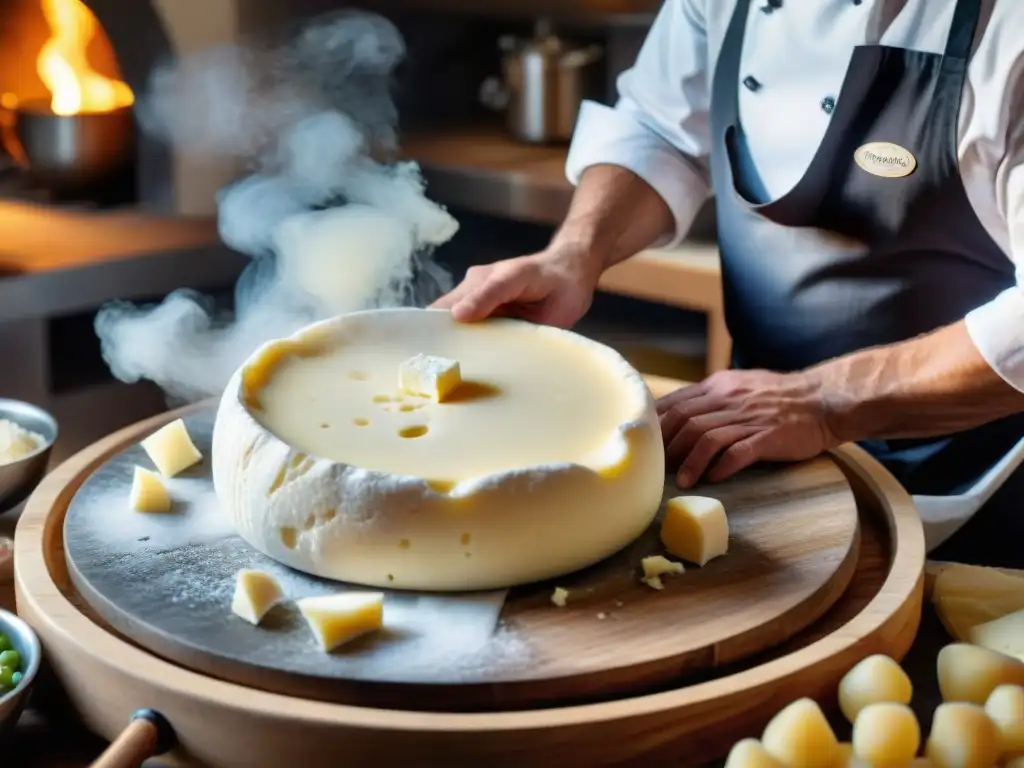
point(546, 459)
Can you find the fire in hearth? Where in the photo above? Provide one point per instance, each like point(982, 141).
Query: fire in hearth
point(63, 66)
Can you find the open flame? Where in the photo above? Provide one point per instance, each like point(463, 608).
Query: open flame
point(75, 87)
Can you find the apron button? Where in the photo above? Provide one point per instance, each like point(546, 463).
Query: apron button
point(773, 5)
point(751, 83)
point(827, 105)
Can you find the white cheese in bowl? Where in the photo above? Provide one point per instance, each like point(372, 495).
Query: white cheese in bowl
point(545, 457)
point(16, 442)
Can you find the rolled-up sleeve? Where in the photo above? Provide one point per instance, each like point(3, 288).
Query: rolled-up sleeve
point(659, 128)
point(997, 328)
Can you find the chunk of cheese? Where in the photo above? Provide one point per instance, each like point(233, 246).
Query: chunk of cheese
point(1004, 635)
point(655, 567)
point(695, 528)
point(433, 377)
point(171, 449)
point(323, 464)
point(966, 596)
point(979, 583)
point(560, 597)
point(256, 592)
point(960, 615)
point(148, 492)
point(339, 619)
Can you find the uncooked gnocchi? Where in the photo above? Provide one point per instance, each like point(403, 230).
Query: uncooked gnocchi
point(980, 723)
point(970, 673)
point(886, 735)
point(962, 736)
point(1005, 707)
point(750, 753)
point(800, 737)
point(873, 680)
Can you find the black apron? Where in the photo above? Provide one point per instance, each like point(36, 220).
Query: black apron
point(848, 259)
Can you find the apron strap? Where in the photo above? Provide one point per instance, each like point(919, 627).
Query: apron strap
point(961, 31)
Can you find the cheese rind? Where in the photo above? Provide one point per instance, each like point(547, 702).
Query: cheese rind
point(695, 528)
point(338, 619)
point(429, 375)
point(539, 471)
point(148, 492)
point(171, 449)
point(256, 592)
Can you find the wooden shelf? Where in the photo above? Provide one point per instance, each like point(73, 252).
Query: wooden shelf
point(484, 170)
point(41, 238)
point(607, 12)
point(56, 261)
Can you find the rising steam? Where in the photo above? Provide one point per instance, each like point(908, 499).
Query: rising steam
point(329, 228)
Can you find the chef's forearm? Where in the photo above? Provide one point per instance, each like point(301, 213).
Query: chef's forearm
point(614, 215)
point(931, 385)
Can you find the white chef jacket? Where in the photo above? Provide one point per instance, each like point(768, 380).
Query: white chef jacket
point(797, 56)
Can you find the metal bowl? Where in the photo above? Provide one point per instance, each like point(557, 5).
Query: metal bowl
point(74, 153)
point(27, 644)
point(19, 478)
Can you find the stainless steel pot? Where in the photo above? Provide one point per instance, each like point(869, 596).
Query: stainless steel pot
point(73, 153)
point(544, 80)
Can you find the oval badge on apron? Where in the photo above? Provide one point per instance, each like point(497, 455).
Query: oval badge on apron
point(882, 158)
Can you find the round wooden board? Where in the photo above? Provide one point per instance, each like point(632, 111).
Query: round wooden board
point(165, 582)
point(224, 724)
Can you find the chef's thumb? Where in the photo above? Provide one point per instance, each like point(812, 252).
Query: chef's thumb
point(499, 289)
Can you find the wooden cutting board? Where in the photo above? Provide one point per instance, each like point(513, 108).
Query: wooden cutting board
point(793, 550)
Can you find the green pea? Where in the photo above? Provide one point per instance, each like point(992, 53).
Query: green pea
point(5, 643)
point(10, 659)
point(6, 677)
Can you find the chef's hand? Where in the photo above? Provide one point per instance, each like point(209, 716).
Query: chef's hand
point(741, 417)
point(553, 287)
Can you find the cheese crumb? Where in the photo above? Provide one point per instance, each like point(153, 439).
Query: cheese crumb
point(560, 597)
point(339, 619)
point(256, 593)
point(171, 449)
point(16, 442)
point(657, 566)
point(695, 528)
point(433, 377)
point(148, 493)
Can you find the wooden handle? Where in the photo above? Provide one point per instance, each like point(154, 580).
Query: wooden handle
point(147, 735)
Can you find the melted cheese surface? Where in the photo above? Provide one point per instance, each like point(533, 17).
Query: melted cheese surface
point(530, 396)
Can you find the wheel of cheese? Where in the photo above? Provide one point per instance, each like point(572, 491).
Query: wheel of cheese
point(546, 458)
